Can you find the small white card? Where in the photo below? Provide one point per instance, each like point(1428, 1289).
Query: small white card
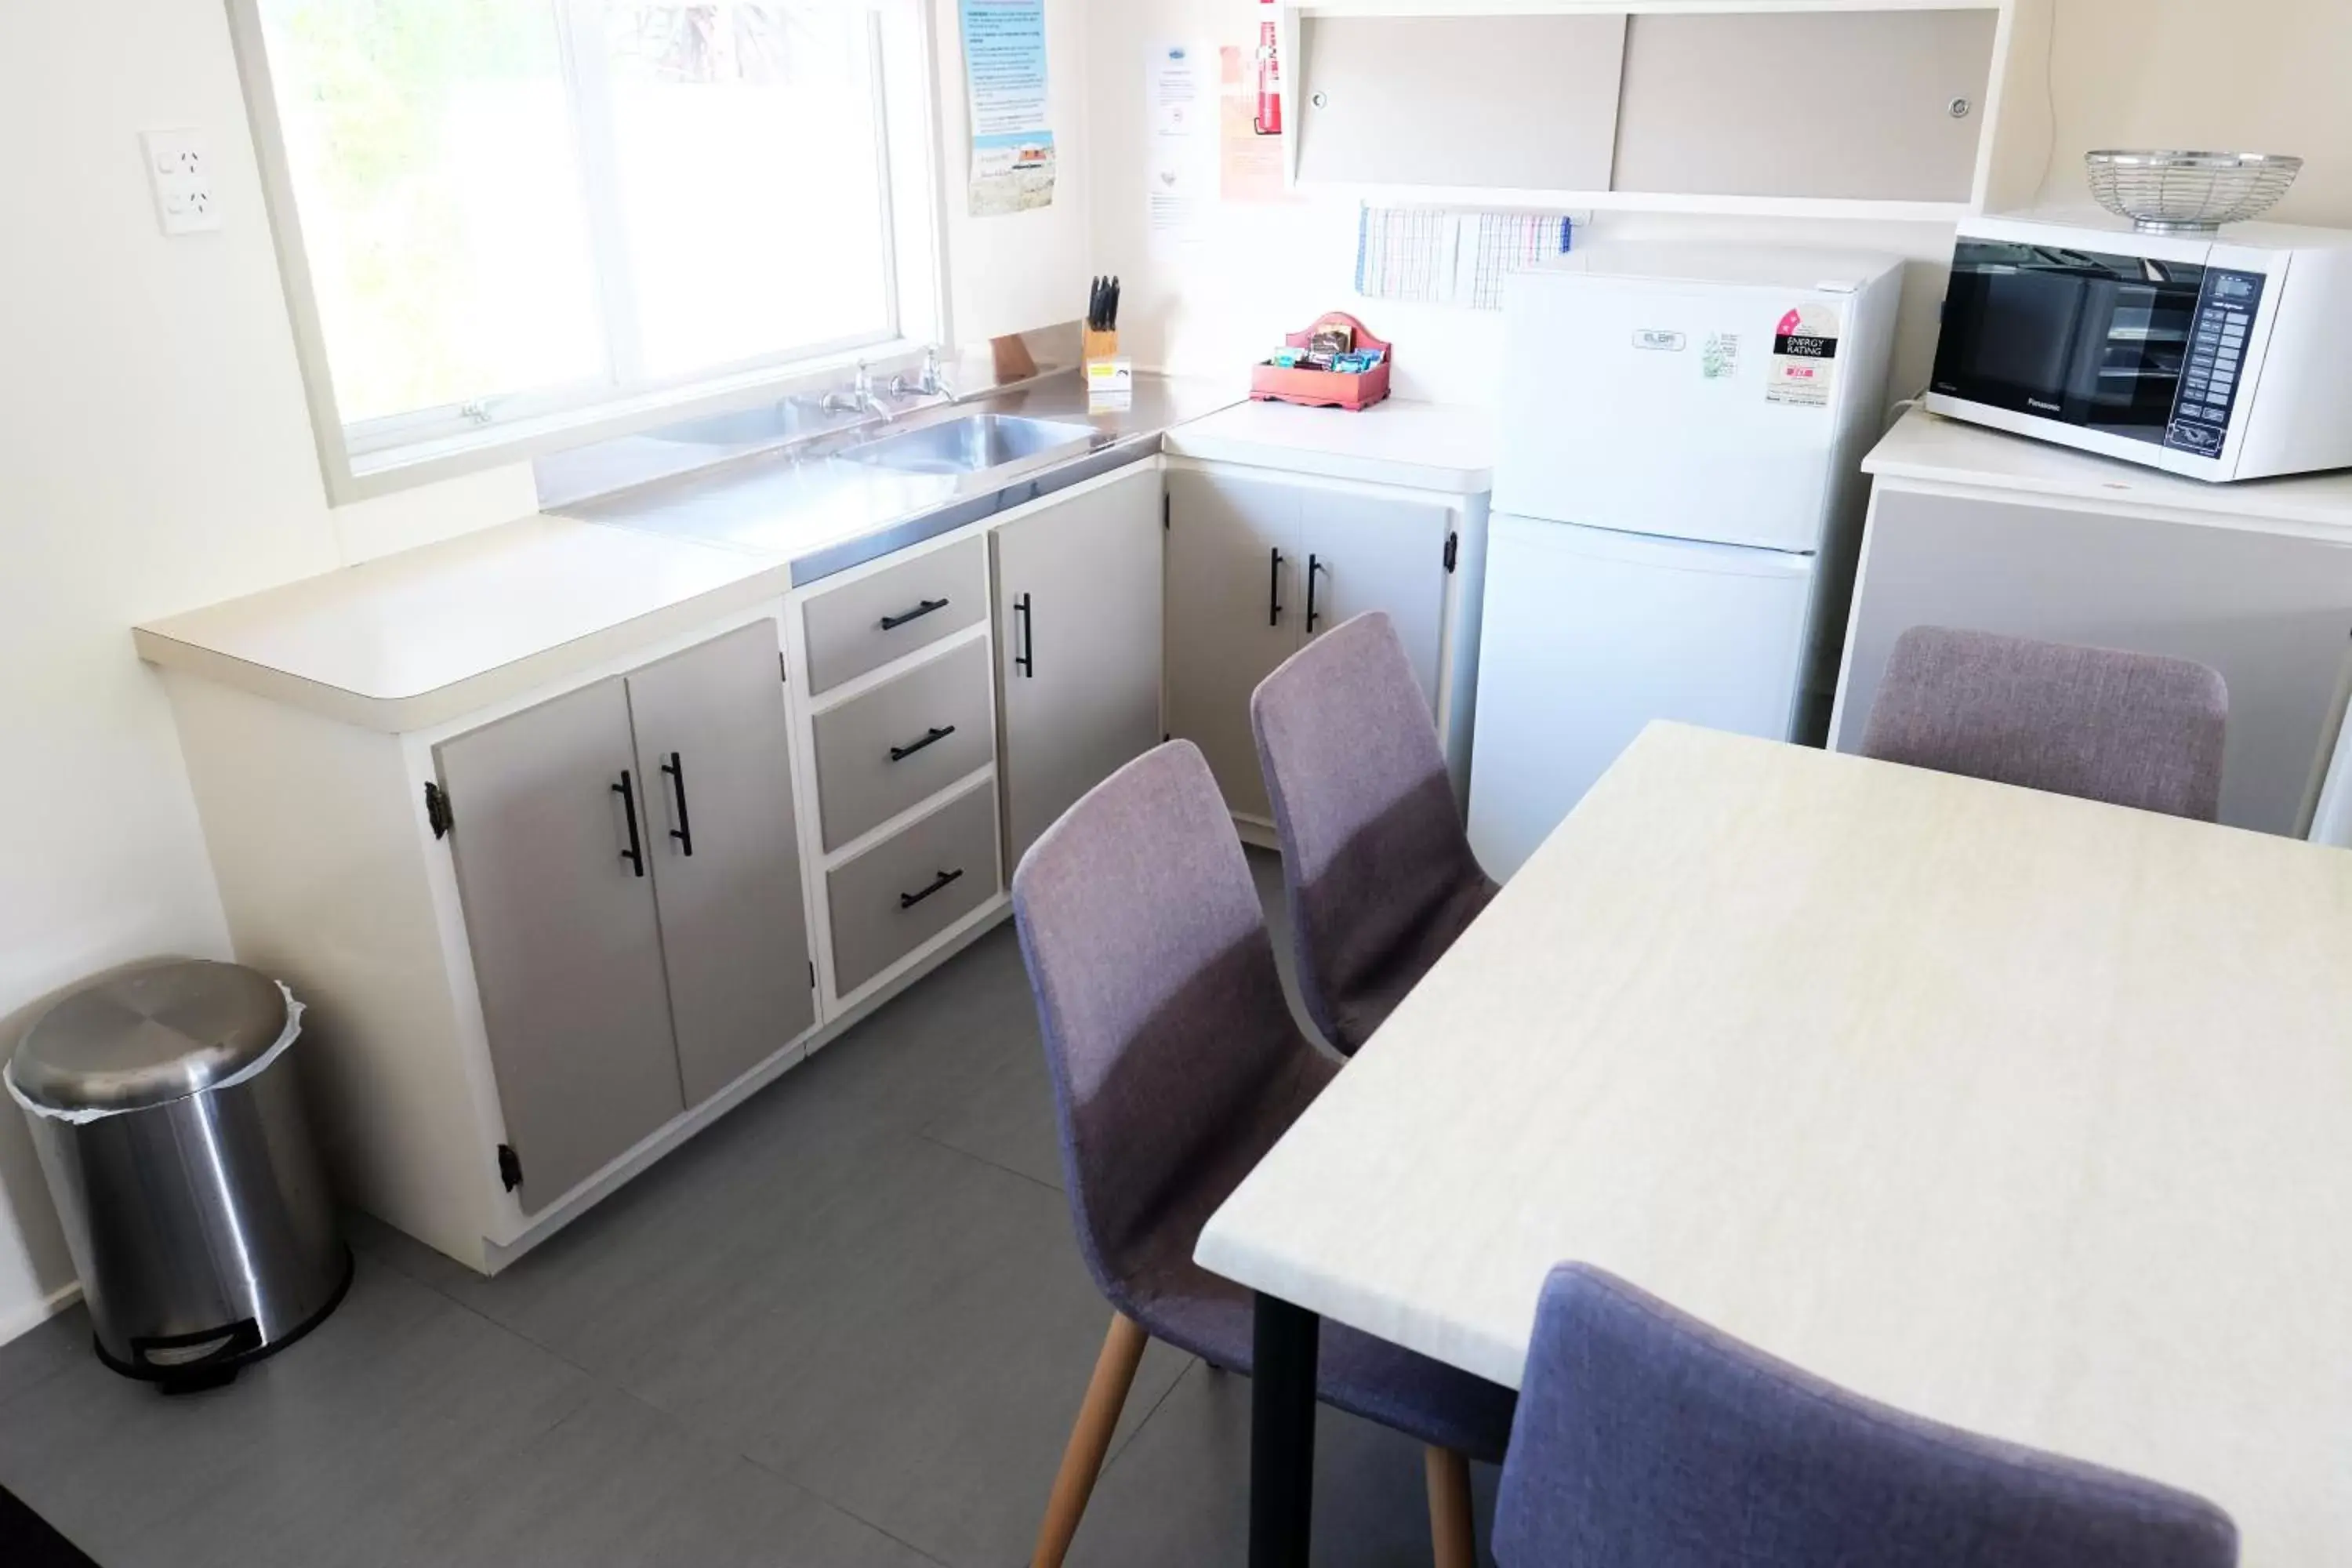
point(1110, 383)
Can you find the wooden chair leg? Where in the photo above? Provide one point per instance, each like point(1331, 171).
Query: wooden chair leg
point(1453, 1536)
point(1090, 1439)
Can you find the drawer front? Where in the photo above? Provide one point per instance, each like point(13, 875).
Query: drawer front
point(875, 925)
point(875, 619)
point(904, 740)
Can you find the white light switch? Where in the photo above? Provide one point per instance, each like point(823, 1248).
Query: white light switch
point(180, 169)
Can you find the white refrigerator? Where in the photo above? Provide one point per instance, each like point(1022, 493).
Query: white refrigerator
point(1678, 501)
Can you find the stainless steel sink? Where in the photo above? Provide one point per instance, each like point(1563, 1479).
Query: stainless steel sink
point(969, 445)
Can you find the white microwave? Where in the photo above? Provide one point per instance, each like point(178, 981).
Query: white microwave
point(2220, 357)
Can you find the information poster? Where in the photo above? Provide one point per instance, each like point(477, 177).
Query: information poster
point(1182, 167)
point(1005, 79)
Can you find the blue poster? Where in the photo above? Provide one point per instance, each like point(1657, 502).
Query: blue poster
point(1004, 78)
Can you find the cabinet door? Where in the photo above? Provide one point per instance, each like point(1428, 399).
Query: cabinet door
point(1078, 607)
point(567, 953)
point(712, 736)
point(1233, 613)
point(2269, 611)
point(1378, 552)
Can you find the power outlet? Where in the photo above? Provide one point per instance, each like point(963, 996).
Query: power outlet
point(180, 168)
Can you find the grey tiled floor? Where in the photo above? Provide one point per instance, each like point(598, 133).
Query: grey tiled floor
point(844, 1328)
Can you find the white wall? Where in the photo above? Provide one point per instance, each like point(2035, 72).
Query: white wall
point(155, 454)
point(2129, 73)
point(2253, 76)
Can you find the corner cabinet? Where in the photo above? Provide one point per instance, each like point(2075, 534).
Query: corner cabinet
point(1260, 562)
point(1078, 606)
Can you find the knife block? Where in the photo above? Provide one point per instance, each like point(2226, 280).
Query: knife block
point(1098, 345)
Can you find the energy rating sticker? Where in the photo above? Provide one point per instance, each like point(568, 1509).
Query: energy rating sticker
point(1804, 358)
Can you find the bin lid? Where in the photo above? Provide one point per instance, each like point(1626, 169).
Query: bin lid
point(150, 1035)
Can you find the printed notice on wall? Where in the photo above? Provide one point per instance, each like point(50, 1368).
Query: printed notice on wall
point(1182, 165)
point(1005, 79)
point(1804, 358)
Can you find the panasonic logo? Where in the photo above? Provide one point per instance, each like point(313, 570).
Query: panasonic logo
point(2045, 407)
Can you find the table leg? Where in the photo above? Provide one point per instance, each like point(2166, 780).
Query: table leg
point(1282, 1434)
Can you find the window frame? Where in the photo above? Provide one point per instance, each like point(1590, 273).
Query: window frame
point(392, 452)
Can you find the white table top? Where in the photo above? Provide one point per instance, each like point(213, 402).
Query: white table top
point(1426, 445)
point(2018, 1111)
point(1925, 447)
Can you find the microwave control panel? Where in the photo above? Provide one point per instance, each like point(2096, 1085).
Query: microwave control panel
point(2211, 369)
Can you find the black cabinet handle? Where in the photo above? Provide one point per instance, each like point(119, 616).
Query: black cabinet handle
point(892, 623)
point(931, 737)
point(909, 901)
point(1274, 588)
point(635, 853)
point(1026, 661)
point(1313, 565)
point(683, 831)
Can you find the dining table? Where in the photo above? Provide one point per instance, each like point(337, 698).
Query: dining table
point(2018, 1111)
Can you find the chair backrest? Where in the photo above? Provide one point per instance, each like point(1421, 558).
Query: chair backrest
point(1644, 1436)
point(1372, 836)
point(1156, 986)
point(2131, 728)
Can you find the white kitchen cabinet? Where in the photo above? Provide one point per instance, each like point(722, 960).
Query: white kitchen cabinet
point(511, 1021)
point(634, 956)
point(1079, 616)
point(1232, 615)
point(566, 941)
point(2271, 610)
point(714, 746)
point(1260, 560)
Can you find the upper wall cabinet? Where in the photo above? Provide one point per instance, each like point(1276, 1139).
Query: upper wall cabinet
point(1527, 102)
point(1896, 108)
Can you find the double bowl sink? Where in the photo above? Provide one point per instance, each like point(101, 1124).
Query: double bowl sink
point(832, 502)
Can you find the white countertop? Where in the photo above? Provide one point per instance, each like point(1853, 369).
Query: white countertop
point(428, 636)
point(1930, 448)
point(2020, 1112)
point(1426, 445)
point(423, 636)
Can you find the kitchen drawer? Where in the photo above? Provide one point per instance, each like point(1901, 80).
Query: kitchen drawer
point(875, 925)
point(870, 622)
point(875, 755)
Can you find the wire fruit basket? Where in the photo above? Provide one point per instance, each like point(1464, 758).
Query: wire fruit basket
point(2187, 192)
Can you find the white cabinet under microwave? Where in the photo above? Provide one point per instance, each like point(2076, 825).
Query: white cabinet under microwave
point(2218, 357)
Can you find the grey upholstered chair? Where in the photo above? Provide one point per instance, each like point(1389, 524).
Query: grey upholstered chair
point(1175, 1067)
point(2131, 728)
point(1645, 1437)
point(1379, 872)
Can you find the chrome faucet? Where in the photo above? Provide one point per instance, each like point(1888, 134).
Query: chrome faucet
point(859, 399)
point(932, 384)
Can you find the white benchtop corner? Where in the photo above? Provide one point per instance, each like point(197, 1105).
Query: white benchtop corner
point(1424, 446)
point(1929, 448)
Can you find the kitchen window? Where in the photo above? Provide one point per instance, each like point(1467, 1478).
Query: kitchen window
point(510, 225)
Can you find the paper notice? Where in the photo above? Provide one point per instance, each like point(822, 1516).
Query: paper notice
point(1177, 171)
point(1004, 76)
point(1804, 358)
